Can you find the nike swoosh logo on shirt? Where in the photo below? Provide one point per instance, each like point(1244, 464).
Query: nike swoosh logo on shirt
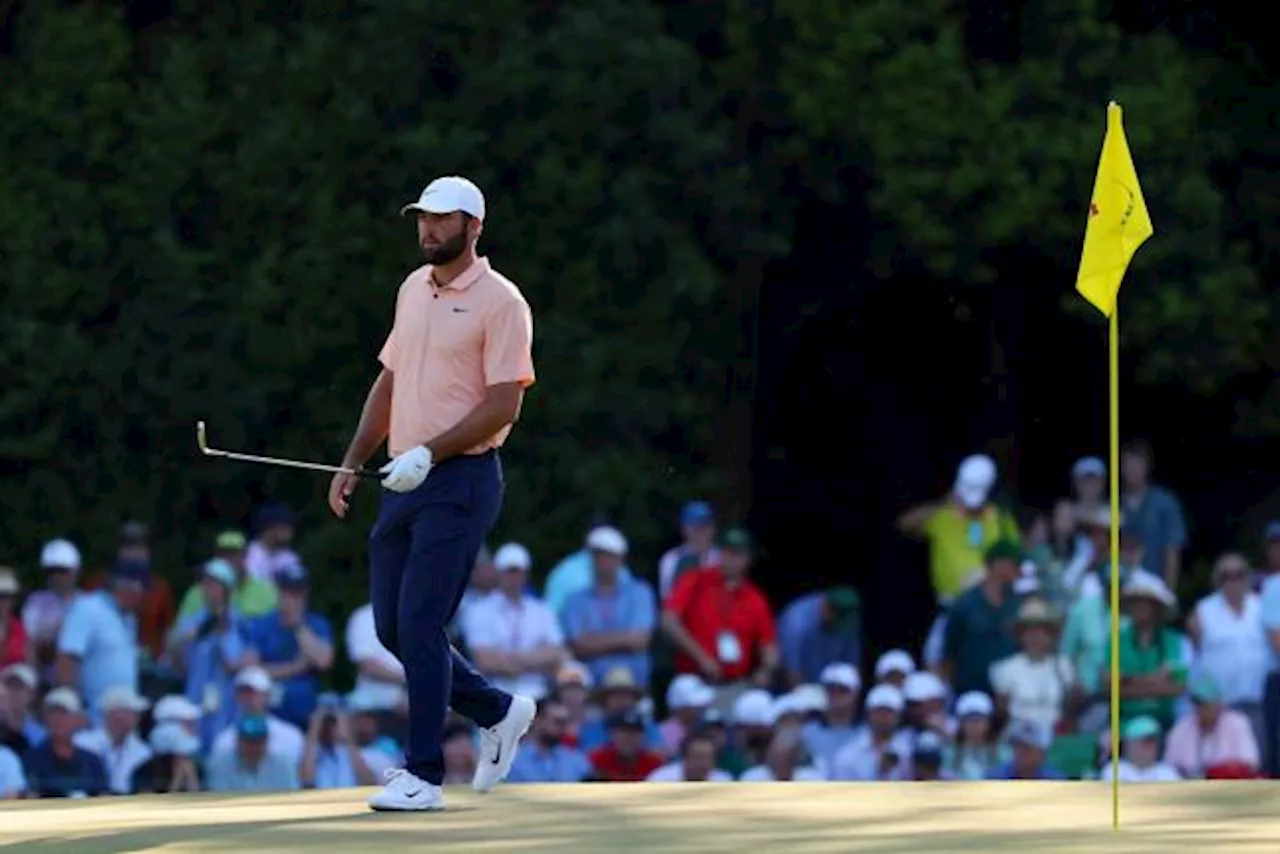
point(458, 310)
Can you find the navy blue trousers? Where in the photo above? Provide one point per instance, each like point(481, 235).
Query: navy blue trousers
point(421, 552)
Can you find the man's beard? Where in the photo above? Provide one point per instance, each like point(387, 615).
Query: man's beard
point(445, 252)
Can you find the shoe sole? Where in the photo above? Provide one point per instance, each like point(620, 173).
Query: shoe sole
point(435, 808)
point(509, 762)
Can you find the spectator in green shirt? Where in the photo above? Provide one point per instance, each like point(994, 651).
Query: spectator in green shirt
point(1152, 672)
point(980, 622)
point(252, 597)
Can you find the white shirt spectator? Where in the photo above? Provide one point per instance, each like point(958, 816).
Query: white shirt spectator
point(1036, 689)
point(363, 645)
point(262, 563)
point(495, 622)
point(860, 759)
point(120, 761)
point(763, 774)
point(1233, 647)
point(1160, 772)
point(673, 772)
point(283, 739)
point(13, 782)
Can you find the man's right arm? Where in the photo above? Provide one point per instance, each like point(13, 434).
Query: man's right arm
point(375, 422)
point(913, 521)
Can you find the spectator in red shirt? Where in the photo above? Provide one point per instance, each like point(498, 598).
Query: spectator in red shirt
point(624, 758)
point(721, 624)
point(13, 635)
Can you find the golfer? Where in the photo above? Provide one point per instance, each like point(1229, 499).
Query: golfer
point(454, 371)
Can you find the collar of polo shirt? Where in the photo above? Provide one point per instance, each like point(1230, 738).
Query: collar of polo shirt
point(465, 279)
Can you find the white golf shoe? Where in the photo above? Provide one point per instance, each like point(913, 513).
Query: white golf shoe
point(404, 792)
point(498, 744)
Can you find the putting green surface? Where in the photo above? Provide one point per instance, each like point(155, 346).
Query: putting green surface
point(790, 818)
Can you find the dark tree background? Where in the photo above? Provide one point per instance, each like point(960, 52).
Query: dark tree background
point(798, 257)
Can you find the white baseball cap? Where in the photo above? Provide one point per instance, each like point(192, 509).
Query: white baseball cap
point(255, 678)
point(608, 540)
point(885, 697)
point(974, 479)
point(895, 661)
point(60, 554)
point(170, 737)
point(175, 708)
point(974, 703)
point(787, 704)
point(123, 697)
point(65, 699)
point(842, 675)
point(811, 697)
point(447, 195)
point(688, 691)
point(512, 556)
point(753, 708)
point(923, 686)
point(24, 673)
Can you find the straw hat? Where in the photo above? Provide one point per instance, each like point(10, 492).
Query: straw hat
point(1035, 612)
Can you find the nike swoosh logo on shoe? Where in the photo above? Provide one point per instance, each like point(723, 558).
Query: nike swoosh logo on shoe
point(497, 757)
point(413, 794)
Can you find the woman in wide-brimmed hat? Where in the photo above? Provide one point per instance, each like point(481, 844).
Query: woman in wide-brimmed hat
point(1034, 683)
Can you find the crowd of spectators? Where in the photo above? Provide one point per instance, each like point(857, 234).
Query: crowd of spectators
point(680, 672)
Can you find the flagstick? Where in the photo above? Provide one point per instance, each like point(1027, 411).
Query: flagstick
point(1114, 378)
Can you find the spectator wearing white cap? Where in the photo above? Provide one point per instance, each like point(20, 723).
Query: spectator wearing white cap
point(688, 698)
point(960, 527)
point(116, 741)
point(378, 672)
point(174, 765)
point(926, 699)
point(178, 710)
point(753, 717)
point(208, 647)
point(571, 574)
point(57, 768)
point(1036, 683)
point(818, 629)
point(98, 645)
point(697, 763)
point(1030, 743)
point(976, 748)
point(18, 715)
point(784, 762)
point(823, 739)
point(610, 623)
point(879, 750)
point(45, 609)
point(253, 699)
point(513, 637)
point(1088, 486)
point(893, 667)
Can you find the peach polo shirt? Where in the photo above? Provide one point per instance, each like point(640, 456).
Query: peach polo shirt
point(448, 345)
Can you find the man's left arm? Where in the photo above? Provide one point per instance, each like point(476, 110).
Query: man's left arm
point(768, 640)
point(508, 371)
point(1177, 530)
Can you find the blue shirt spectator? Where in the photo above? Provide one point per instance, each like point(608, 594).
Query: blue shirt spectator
point(99, 636)
point(543, 757)
point(13, 782)
point(819, 629)
point(1271, 614)
point(570, 575)
point(293, 645)
point(1152, 510)
point(610, 623)
point(247, 765)
point(213, 650)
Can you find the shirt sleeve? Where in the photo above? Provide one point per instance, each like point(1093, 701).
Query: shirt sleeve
point(1271, 603)
point(644, 618)
point(572, 618)
point(682, 594)
point(999, 676)
point(766, 631)
point(389, 353)
point(12, 779)
point(77, 630)
point(508, 344)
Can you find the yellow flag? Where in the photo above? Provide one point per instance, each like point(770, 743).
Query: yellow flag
point(1118, 220)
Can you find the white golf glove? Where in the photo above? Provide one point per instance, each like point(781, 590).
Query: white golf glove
point(407, 472)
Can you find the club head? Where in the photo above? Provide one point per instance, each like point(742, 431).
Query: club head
point(200, 438)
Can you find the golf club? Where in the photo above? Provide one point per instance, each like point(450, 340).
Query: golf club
point(203, 443)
